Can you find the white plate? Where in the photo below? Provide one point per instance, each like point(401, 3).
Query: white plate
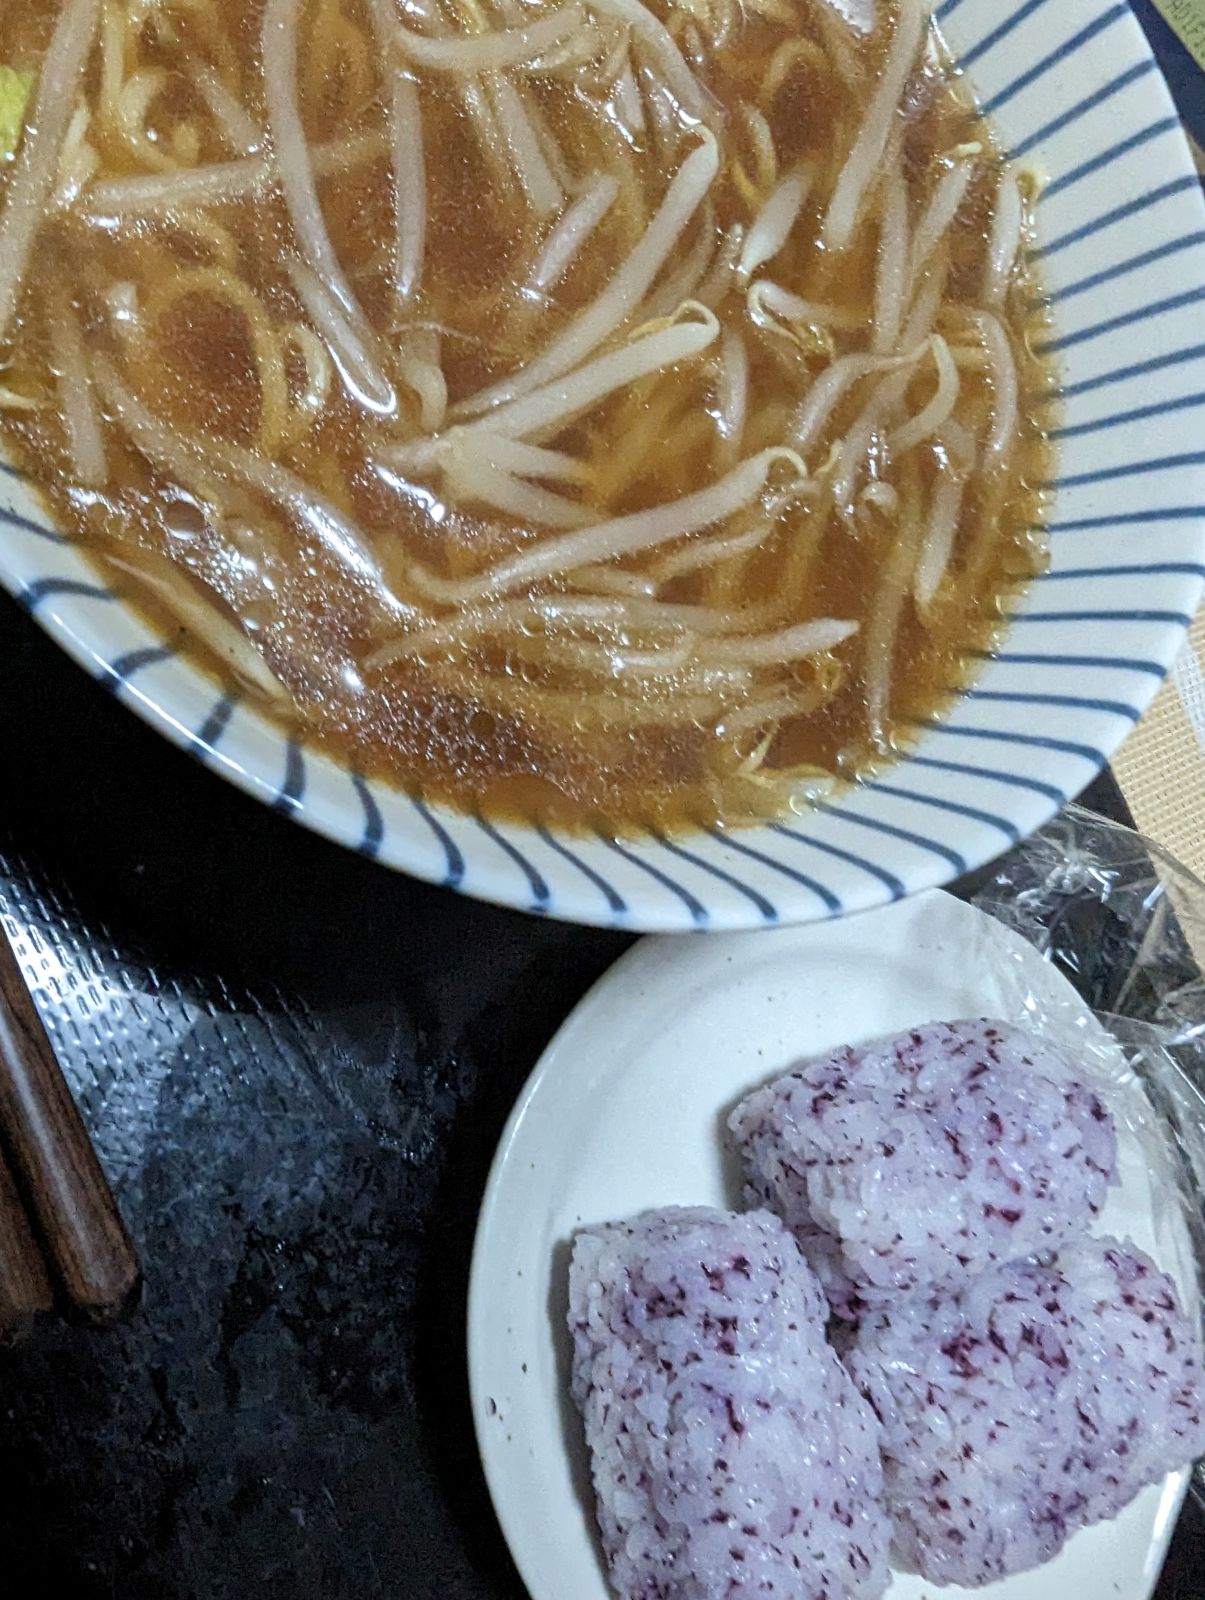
point(624, 1112)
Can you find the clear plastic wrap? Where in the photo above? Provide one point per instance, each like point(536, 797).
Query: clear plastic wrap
point(1124, 923)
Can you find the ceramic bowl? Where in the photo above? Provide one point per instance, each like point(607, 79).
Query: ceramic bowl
point(1074, 91)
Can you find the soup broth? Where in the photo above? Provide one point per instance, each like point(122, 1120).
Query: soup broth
point(599, 413)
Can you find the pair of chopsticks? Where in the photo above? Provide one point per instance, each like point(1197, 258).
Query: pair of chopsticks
point(60, 1229)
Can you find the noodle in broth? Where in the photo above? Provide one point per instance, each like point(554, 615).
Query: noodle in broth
point(604, 411)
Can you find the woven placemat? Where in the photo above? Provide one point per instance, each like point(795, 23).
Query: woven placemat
point(1161, 766)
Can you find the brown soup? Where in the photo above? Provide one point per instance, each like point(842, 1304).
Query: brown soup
point(597, 413)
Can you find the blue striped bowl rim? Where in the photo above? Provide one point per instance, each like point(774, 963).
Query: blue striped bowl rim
point(1074, 91)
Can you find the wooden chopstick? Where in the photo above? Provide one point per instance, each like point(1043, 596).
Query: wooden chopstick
point(65, 1191)
point(25, 1291)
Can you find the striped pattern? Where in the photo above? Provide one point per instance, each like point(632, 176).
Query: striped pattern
point(1122, 253)
point(1161, 767)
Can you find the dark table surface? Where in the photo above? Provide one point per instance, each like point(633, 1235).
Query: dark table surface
point(295, 1066)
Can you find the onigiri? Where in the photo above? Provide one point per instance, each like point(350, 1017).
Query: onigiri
point(911, 1164)
point(1038, 1400)
point(731, 1454)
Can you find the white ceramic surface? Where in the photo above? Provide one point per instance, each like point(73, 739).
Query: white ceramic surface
point(1074, 92)
point(624, 1112)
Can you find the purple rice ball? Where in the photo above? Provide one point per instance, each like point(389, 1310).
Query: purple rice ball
point(913, 1163)
point(1037, 1401)
point(731, 1454)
